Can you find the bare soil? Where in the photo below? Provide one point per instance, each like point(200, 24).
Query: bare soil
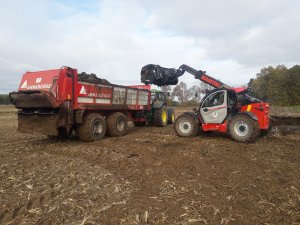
point(149, 176)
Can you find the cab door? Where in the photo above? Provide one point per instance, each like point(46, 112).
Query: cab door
point(214, 107)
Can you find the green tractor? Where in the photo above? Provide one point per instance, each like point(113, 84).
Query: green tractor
point(160, 114)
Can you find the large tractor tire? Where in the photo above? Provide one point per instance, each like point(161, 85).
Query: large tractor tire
point(242, 128)
point(186, 126)
point(160, 116)
point(116, 124)
point(93, 127)
point(171, 116)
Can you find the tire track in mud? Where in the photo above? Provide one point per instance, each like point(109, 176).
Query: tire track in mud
point(62, 151)
point(144, 187)
point(34, 205)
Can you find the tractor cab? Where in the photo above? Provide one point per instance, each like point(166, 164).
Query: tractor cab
point(158, 96)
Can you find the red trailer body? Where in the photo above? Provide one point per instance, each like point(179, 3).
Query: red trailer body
point(59, 86)
point(58, 101)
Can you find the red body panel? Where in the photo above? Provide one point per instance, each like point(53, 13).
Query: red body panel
point(146, 86)
point(42, 80)
point(54, 84)
point(108, 97)
point(59, 86)
point(214, 127)
point(238, 89)
point(261, 111)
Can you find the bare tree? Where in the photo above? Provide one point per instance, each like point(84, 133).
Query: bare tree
point(196, 92)
point(181, 92)
point(166, 89)
point(205, 87)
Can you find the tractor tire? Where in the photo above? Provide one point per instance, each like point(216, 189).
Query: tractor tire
point(186, 126)
point(171, 116)
point(116, 124)
point(242, 128)
point(93, 127)
point(160, 116)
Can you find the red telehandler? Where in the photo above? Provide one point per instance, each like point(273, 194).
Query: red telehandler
point(224, 109)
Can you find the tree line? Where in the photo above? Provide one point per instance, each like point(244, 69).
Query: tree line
point(277, 85)
point(4, 100)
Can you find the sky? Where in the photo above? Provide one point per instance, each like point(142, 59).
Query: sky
point(231, 40)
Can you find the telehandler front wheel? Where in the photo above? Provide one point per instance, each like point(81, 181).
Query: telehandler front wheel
point(186, 126)
point(242, 128)
point(93, 127)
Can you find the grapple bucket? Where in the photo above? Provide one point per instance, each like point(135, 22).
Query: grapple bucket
point(160, 76)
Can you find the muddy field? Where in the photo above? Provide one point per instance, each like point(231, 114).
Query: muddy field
point(150, 176)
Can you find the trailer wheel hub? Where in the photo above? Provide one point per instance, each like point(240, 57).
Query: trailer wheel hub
point(97, 127)
point(120, 124)
point(241, 128)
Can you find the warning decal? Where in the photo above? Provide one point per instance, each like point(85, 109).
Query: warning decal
point(24, 85)
point(82, 90)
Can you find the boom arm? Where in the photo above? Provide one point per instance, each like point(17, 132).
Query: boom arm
point(155, 74)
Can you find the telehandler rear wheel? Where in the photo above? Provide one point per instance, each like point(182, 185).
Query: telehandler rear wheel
point(93, 127)
point(116, 124)
point(186, 126)
point(242, 128)
point(160, 116)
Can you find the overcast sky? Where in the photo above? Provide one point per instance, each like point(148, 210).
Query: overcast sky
point(232, 40)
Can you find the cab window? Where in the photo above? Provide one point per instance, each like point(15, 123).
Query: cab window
point(214, 99)
point(231, 98)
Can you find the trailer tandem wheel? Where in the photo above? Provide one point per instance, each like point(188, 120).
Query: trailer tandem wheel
point(116, 124)
point(93, 127)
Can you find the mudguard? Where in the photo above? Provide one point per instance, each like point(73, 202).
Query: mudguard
point(157, 104)
point(194, 116)
point(250, 114)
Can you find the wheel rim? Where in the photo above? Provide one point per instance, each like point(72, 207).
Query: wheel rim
point(97, 127)
point(185, 126)
point(241, 128)
point(164, 116)
point(120, 125)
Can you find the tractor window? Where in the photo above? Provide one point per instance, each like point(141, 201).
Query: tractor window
point(161, 96)
point(214, 99)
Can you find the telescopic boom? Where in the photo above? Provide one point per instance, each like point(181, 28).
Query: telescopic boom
point(160, 76)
